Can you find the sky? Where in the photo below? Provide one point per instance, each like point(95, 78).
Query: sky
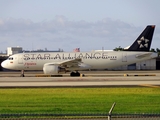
point(69, 24)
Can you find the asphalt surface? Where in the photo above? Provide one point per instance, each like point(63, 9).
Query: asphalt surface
point(91, 79)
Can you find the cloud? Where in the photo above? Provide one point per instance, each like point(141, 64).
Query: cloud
point(65, 34)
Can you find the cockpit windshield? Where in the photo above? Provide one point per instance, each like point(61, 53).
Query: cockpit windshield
point(10, 58)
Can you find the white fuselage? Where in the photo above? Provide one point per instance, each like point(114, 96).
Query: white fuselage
point(93, 60)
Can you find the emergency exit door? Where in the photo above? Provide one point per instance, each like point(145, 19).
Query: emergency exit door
point(20, 59)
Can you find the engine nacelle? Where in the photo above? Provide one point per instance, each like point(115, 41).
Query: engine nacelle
point(50, 69)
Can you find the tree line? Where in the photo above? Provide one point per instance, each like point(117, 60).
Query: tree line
point(151, 50)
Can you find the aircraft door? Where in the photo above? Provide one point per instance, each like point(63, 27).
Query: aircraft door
point(20, 59)
point(124, 57)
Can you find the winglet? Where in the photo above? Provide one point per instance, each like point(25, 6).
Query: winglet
point(143, 42)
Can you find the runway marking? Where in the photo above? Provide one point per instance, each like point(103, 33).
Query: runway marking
point(149, 85)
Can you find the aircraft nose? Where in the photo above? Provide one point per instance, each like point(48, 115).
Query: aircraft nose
point(4, 64)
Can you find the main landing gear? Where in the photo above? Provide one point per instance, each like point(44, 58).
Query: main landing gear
point(75, 74)
point(22, 73)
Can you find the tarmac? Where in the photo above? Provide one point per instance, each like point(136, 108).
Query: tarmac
point(91, 79)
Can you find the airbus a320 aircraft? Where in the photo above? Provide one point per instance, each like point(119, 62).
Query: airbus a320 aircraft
point(54, 62)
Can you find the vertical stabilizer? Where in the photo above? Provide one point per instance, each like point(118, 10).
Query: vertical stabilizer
point(143, 42)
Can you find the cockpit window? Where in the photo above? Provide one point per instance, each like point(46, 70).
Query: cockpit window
point(10, 58)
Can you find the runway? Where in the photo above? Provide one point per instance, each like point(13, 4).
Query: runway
point(91, 79)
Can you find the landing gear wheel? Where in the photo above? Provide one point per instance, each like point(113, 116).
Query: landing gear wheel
point(22, 75)
point(72, 74)
point(75, 74)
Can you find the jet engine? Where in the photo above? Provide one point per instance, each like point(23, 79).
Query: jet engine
point(50, 69)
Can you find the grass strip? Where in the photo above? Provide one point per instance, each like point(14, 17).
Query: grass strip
point(80, 100)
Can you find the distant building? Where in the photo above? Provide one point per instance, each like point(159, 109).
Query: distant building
point(13, 50)
point(143, 65)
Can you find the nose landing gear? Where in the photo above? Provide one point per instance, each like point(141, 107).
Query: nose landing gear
point(22, 73)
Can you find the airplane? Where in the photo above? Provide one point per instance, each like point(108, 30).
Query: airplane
point(53, 63)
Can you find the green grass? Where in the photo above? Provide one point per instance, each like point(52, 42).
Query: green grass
point(80, 100)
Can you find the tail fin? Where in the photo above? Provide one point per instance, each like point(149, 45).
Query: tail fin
point(143, 42)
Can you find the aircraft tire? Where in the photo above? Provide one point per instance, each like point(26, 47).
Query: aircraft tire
point(75, 74)
point(72, 74)
point(22, 75)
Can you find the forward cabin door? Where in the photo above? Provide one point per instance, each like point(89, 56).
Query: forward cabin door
point(20, 59)
point(124, 57)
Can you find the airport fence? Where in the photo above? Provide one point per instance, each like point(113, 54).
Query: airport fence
point(75, 116)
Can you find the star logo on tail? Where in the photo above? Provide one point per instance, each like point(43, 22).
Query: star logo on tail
point(143, 43)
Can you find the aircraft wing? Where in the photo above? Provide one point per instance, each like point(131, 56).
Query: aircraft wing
point(143, 55)
point(71, 63)
point(68, 63)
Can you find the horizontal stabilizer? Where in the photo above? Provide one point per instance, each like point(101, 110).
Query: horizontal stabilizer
point(143, 55)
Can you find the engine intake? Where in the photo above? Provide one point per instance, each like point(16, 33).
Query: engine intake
point(51, 69)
